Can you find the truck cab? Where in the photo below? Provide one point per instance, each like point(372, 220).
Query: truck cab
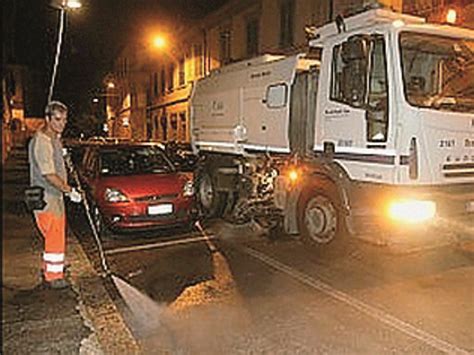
point(395, 108)
point(398, 93)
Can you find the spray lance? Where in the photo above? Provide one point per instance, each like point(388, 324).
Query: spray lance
point(85, 202)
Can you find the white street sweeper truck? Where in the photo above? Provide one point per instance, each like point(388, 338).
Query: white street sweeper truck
point(374, 135)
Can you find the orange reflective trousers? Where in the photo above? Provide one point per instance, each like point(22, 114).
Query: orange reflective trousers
point(53, 229)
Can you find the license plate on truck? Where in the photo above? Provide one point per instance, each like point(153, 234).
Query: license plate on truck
point(470, 206)
point(165, 208)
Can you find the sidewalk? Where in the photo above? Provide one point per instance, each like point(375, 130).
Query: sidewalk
point(81, 319)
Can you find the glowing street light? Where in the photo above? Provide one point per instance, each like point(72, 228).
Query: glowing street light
point(159, 42)
point(66, 4)
point(73, 4)
point(110, 85)
point(451, 16)
point(95, 100)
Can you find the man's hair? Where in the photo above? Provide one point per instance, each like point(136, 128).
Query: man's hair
point(54, 106)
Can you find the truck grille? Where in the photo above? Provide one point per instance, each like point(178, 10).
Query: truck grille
point(458, 170)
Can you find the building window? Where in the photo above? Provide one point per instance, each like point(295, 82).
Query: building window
point(181, 72)
point(224, 47)
point(149, 126)
point(182, 126)
point(287, 19)
point(252, 37)
point(156, 127)
point(198, 61)
point(174, 127)
point(170, 77)
point(11, 84)
point(163, 82)
point(164, 127)
point(155, 84)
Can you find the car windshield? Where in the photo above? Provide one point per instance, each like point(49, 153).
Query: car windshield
point(438, 72)
point(133, 160)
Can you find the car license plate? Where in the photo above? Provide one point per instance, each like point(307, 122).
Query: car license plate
point(160, 209)
point(470, 206)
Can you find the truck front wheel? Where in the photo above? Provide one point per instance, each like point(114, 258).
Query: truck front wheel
point(319, 219)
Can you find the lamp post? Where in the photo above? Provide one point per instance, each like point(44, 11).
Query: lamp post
point(62, 6)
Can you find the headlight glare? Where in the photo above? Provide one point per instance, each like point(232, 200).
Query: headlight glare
point(412, 211)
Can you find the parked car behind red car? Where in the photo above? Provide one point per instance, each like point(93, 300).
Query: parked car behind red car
point(135, 186)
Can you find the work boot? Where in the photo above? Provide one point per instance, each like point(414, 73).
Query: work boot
point(58, 284)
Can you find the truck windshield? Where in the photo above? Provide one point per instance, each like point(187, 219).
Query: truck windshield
point(438, 71)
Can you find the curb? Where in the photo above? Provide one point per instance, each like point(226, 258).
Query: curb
point(97, 307)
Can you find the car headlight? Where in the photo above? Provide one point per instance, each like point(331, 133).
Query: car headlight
point(114, 195)
point(412, 211)
point(188, 189)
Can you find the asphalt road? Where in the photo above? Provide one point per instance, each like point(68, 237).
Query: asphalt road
point(235, 291)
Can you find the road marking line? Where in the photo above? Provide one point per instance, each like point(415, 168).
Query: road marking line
point(373, 312)
point(157, 245)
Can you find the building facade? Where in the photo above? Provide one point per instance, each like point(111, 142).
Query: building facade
point(153, 90)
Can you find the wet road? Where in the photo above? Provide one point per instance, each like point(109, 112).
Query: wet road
point(238, 292)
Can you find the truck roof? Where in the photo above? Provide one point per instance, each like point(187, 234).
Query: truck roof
point(365, 19)
point(378, 17)
point(263, 59)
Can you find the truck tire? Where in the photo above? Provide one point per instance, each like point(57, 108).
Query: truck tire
point(320, 219)
point(210, 200)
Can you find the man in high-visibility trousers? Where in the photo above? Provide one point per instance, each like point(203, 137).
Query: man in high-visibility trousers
point(47, 170)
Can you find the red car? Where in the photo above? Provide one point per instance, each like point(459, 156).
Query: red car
point(134, 186)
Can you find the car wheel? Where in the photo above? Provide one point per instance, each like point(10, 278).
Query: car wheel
point(211, 201)
point(320, 219)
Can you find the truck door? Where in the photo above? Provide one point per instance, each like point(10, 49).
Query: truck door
point(356, 116)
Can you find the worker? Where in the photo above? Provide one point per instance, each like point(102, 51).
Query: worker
point(47, 170)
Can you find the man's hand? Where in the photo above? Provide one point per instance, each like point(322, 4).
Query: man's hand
point(75, 195)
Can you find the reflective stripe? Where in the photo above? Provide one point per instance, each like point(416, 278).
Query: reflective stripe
point(56, 268)
point(53, 257)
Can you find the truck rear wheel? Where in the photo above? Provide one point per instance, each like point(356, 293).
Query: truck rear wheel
point(320, 221)
point(211, 201)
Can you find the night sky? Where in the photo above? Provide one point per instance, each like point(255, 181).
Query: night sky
point(93, 37)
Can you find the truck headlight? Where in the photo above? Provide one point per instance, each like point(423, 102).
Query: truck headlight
point(188, 189)
point(412, 211)
point(114, 195)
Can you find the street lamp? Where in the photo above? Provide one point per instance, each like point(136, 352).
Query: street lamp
point(159, 42)
point(63, 6)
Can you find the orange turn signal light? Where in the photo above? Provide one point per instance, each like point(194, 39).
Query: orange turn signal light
point(293, 175)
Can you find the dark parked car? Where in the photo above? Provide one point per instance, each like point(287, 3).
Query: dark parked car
point(182, 156)
point(135, 186)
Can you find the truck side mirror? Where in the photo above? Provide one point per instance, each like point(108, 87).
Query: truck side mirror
point(355, 53)
point(355, 48)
